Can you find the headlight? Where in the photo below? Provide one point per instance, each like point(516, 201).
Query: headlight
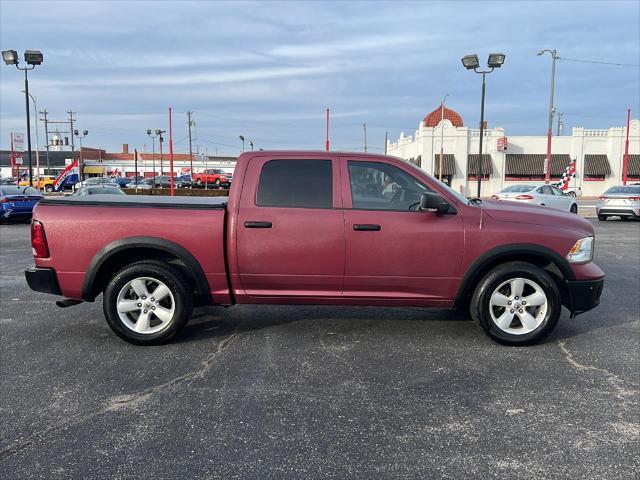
point(582, 251)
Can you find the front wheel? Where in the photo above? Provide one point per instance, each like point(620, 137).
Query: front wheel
point(147, 303)
point(517, 303)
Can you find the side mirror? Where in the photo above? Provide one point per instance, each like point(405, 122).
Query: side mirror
point(432, 202)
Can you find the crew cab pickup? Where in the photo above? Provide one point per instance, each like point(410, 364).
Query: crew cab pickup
point(322, 228)
point(214, 177)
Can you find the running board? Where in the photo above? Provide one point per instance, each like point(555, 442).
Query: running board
point(68, 302)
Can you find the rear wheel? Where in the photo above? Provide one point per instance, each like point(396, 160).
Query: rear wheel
point(48, 188)
point(147, 303)
point(517, 303)
point(602, 218)
point(574, 209)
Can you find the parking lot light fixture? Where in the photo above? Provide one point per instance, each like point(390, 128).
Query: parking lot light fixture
point(33, 58)
point(470, 62)
point(10, 57)
point(241, 137)
point(495, 60)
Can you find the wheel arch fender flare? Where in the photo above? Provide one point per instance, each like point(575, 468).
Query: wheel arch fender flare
point(194, 269)
point(505, 253)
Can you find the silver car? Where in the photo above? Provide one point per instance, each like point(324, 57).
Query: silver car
point(620, 201)
point(536, 194)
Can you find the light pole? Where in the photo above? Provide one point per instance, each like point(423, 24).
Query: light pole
point(35, 114)
point(160, 139)
point(153, 150)
point(471, 62)
point(33, 58)
point(80, 137)
point(241, 137)
point(442, 136)
point(547, 163)
point(251, 144)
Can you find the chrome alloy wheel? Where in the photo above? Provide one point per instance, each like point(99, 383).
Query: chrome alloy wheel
point(518, 306)
point(145, 305)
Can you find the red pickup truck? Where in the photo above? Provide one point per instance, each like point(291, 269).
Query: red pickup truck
point(322, 228)
point(213, 177)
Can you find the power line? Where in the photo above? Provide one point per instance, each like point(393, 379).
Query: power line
point(599, 62)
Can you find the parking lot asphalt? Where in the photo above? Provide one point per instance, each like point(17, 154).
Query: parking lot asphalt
point(320, 392)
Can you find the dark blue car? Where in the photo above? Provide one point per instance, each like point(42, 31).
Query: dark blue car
point(17, 202)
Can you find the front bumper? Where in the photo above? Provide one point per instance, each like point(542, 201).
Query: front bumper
point(583, 295)
point(42, 280)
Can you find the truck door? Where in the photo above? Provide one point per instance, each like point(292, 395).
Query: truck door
point(290, 228)
point(394, 251)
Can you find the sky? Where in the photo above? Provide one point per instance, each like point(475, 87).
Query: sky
point(268, 70)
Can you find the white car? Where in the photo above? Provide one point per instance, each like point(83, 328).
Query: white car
point(544, 195)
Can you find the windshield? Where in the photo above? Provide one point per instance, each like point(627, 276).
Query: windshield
point(10, 190)
point(453, 192)
point(629, 189)
point(518, 189)
point(105, 191)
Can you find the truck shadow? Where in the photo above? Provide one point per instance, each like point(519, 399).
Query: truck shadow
point(219, 321)
point(210, 322)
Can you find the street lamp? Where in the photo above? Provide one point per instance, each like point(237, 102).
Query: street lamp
point(547, 163)
point(32, 58)
point(161, 139)
point(35, 113)
point(80, 137)
point(251, 144)
point(153, 149)
point(471, 62)
point(241, 137)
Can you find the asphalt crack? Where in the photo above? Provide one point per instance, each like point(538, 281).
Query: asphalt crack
point(621, 391)
point(120, 402)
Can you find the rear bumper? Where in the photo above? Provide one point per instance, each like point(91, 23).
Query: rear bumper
point(618, 210)
point(42, 280)
point(583, 295)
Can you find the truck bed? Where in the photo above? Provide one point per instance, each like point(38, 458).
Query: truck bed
point(82, 230)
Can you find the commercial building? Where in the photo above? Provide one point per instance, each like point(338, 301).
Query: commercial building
point(98, 162)
point(510, 159)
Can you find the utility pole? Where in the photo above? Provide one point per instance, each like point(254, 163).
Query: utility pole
point(560, 123)
point(364, 125)
point(547, 163)
point(386, 136)
point(190, 123)
point(71, 120)
point(46, 136)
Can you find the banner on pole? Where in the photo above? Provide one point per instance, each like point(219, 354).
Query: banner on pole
point(69, 176)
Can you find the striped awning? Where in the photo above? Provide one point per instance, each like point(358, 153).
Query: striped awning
point(634, 166)
point(596, 166)
point(532, 164)
point(448, 164)
point(93, 169)
point(487, 164)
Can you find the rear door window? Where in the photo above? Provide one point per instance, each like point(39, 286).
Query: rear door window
point(296, 184)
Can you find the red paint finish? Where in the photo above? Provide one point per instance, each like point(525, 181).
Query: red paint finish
point(314, 255)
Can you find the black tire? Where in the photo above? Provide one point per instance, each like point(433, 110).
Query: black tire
point(480, 302)
point(48, 188)
point(625, 218)
point(574, 209)
point(602, 218)
point(180, 289)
